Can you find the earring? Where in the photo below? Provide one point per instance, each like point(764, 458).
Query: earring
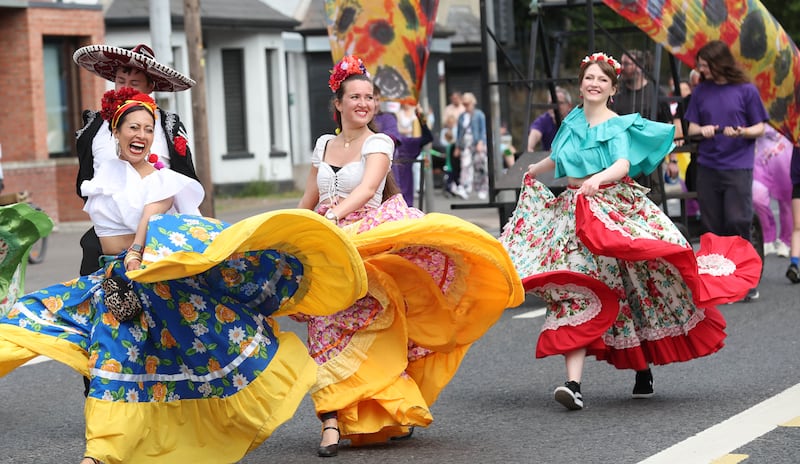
point(611, 99)
point(116, 148)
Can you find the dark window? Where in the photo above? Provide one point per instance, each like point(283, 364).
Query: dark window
point(60, 95)
point(235, 109)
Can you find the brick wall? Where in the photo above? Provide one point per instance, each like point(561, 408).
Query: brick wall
point(23, 126)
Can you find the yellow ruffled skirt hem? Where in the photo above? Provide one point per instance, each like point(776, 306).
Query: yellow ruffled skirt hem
point(207, 430)
point(376, 386)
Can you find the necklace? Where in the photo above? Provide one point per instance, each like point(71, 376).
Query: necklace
point(347, 142)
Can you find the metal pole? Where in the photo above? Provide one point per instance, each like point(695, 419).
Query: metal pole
point(160, 33)
point(492, 109)
point(197, 69)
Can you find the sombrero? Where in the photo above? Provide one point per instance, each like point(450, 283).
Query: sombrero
point(104, 60)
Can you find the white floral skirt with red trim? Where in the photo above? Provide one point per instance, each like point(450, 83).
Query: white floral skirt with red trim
point(620, 279)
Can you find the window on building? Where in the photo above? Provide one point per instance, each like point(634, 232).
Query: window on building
point(60, 95)
point(235, 103)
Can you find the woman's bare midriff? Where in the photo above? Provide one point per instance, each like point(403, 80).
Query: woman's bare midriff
point(576, 181)
point(114, 245)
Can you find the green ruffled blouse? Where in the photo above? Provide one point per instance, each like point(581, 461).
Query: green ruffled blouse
point(579, 150)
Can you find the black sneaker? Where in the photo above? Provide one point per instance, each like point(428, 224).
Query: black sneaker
point(569, 395)
point(752, 295)
point(644, 384)
point(793, 273)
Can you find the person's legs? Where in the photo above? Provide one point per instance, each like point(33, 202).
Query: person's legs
point(90, 244)
point(793, 272)
point(738, 202)
point(570, 394)
point(786, 219)
point(761, 205)
point(710, 200)
point(467, 171)
point(329, 446)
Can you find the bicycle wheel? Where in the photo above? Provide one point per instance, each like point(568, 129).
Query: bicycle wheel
point(36, 255)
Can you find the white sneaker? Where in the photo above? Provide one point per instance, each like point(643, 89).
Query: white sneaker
point(769, 248)
point(461, 192)
point(483, 195)
point(781, 249)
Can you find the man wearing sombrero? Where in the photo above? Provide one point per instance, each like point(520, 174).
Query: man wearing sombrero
point(136, 68)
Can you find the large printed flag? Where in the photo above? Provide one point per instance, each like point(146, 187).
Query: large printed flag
point(392, 37)
point(759, 43)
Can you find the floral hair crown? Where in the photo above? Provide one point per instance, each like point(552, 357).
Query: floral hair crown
point(600, 56)
point(114, 104)
point(345, 68)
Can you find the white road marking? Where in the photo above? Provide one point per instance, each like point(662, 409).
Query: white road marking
point(733, 433)
point(37, 360)
point(531, 314)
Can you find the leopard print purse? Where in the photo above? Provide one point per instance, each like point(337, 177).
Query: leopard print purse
point(120, 299)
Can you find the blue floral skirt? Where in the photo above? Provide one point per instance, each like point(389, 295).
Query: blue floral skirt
point(203, 370)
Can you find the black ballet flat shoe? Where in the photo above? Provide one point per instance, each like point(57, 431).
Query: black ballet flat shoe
point(405, 436)
point(329, 451)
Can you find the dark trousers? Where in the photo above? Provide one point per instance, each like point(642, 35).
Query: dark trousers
point(455, 168)
point(726, 200)
point(90, 244)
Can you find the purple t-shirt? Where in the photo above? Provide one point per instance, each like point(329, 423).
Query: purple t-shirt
point(547, 126)
point(726, 105)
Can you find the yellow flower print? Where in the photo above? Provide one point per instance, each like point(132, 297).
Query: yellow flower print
point(159, 392)
point(83, 308)
point(111, 365)
point(213, 365)
point(93, 359)
point(110, 320)
point(245, 343)
point(167, 340)
point(151, 364)
point(53, 303)
point(199, 233)
point(188, 312)
point(232, 277)
point(224, 314)
point(162, 290)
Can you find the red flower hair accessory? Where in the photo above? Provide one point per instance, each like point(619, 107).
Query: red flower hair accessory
point(114, 104)
point(345, 68)
point(600, 56)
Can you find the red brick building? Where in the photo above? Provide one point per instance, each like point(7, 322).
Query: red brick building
point(42, 94)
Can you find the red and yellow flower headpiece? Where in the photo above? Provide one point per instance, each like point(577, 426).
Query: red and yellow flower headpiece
point(600, 56)
point(345, 68)
point(115, 104)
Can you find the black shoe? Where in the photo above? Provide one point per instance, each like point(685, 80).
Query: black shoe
point(752, 295)
point(404, 436)
point(329, 451)
point(644, 384)
point(793, 273)
point(569, 395)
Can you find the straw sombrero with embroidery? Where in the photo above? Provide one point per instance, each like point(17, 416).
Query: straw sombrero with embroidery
point(104, 60)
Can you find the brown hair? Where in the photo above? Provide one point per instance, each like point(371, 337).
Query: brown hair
point(339, 94)
point(721, 62)
point(606, 68)
point(391, 188)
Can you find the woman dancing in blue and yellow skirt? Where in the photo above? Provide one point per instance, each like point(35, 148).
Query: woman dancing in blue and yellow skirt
point(200, 372)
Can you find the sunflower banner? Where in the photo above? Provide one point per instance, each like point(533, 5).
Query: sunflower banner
point(392, 37)
point(759, 43)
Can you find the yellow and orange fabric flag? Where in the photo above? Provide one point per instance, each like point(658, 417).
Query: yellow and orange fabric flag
point(757, 40)
point(392, 37)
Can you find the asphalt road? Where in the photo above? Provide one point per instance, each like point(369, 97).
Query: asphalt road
point(741, 403)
